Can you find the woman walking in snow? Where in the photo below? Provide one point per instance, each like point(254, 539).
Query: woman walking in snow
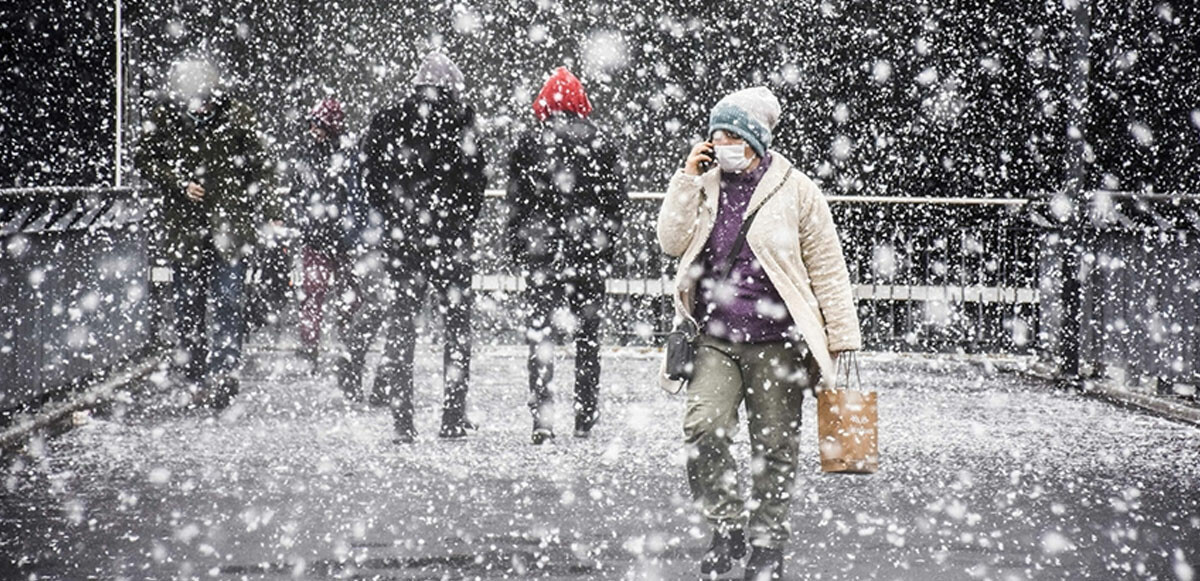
point(774, 309)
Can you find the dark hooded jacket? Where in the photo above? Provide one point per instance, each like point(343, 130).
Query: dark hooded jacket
point(221, 152)
point(323, 185)
point(423, 170)
point(566, 192)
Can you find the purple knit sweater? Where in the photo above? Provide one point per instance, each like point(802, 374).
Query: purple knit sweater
point(746, 308)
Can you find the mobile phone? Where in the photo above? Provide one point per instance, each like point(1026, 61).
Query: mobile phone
point(704, 166)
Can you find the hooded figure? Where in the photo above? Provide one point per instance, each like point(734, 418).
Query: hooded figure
point(322, 190)
point(203, 153)
point(423, 172)
point(566, 191)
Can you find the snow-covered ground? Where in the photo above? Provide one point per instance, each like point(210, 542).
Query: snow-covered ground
point(985, 475)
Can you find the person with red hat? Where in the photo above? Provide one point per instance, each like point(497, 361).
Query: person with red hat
point(566, 191)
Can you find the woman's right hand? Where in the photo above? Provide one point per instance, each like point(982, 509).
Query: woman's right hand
point(700, 152)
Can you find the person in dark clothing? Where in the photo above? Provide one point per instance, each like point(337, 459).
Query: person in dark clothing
point(566, 192)
point(203, 152)
point(423, 171)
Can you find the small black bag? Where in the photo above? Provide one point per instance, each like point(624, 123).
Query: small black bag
point(681, 350)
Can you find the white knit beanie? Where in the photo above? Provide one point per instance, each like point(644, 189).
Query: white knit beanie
point(751, 113)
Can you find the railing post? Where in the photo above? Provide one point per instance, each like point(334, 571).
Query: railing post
point(1070, 342)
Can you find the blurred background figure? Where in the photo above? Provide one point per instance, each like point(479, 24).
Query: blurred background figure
point(202, 150)
point(424, 173)
point(323, 180)
point(566, 189)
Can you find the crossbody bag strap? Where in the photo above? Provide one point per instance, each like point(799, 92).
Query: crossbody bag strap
point(740, 241)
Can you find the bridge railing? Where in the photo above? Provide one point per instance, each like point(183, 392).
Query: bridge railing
point(930, 274)
point(74, 288)
point(935, 274)
point(1139, 290)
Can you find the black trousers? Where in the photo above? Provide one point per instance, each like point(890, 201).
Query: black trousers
point(447, 282)
point(362, 312)
point(584, 297)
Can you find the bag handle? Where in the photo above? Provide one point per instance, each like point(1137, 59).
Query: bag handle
point(740, 241)
point(844, 361)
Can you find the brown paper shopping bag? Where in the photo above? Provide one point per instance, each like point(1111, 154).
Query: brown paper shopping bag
point(848, 425)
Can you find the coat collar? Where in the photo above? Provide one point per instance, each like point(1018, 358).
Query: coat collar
point(710, 182)
point(769, 181)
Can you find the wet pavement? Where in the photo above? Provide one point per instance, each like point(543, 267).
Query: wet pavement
point(985, 475)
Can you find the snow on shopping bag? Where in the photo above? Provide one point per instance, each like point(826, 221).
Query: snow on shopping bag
point(848, 425)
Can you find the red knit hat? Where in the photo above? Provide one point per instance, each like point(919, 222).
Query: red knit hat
point(328, 114)
point(562, 92)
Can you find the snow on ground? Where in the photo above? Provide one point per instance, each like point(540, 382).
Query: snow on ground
point(985, 475)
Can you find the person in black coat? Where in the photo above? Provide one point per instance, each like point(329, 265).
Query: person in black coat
point(423, 171)
point(566, 193)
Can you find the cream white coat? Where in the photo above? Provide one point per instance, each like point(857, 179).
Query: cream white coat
point(793, 238)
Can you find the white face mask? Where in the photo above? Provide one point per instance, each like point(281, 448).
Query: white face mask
point(732, 158)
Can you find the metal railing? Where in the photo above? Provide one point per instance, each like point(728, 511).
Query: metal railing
point(74, 288)
point(1138, 299)
point(930, 275)
point(940, 274)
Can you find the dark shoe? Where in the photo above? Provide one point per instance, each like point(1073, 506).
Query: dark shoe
point(542, 435)
point(220, 401)
point(405, 432)
point(764, 565)
point(349, 377)
point(404, 435)
point(542, 430)
point(217, 394)
point(456, 428)
point(312, 356)
point(724, 549)
point(585, 423)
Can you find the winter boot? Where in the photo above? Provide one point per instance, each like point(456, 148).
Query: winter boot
point(584, 422)
point(543, 431)
point(349, 375)
point(405, 432)
point(724, 549)
point(455, 426)
point(764, 565)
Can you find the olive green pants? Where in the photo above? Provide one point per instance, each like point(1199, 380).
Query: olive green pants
point(771, 378)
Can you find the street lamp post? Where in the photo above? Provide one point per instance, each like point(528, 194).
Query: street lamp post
point(119, 98)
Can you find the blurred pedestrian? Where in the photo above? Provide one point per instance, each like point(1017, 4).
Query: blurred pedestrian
point(424, 173)
point(202, 149)
point(774, 309)
point(323, 181)
point(566, 192)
